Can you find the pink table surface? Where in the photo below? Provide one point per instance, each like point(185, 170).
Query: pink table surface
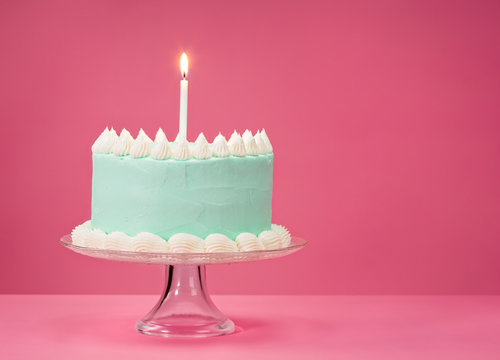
point(271, 327)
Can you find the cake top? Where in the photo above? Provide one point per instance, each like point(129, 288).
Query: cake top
point(109, 142)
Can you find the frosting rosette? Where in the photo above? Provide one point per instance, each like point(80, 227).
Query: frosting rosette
point(80, 234)
point(160, 136)
point(181, 150)
point(265, 138)
point(249, 242)
point(160, 150)
point(236, 145)
point(125, 134)
point(250, 144)
point(186, 243)
point(118, 241)
point(283, 232)
point(144, 137)
point(141, 148)
point(105, 142)
point(270, 239)
point(261, 145)
point(219, 146)
point(96, 239)
point(201, 149)
point(148, 242)
point(219, 243)
point(122, 146)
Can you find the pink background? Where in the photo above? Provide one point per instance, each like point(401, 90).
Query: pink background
point(384, 117)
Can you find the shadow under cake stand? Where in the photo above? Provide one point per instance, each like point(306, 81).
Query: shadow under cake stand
point(185, 308)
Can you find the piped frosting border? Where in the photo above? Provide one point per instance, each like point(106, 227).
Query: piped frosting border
point(109, 142)
point(84, 236)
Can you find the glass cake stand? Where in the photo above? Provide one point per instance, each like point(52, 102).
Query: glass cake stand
point(185, 308)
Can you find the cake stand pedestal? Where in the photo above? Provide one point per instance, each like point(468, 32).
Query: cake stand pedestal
point(185, 308)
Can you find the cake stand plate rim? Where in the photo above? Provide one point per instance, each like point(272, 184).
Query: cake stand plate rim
point(297, 243)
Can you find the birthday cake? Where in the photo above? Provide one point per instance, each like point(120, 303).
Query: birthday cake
point(162, 196)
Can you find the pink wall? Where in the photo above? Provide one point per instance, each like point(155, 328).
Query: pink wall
point(384, 116)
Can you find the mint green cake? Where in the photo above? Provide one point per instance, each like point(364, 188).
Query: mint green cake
point(162, 196)
point(226, 195)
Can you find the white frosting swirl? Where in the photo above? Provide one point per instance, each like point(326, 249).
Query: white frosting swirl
point(248, 242)
point(98, 144)
point(113, 133)
point(143, 136)
point(96, 239)
point(236, 145)
point(141, 147)
point(80, 234)
point(118, 240)
point(266, 141)
point(250, 144)
point(181, 150)
point(148, 242)
point(201, 139)
point(270, 239)
point(124, 134)
point(105, 141)
point(276, 238)
point(219, 146)
point(186, 243)
point(161, 149)
point(219, 243)
point(109, 142)
point(124, 143)
point(286, 238)
point(160, 136)
point(122, 147)
point(261, 145)
point(201, 149)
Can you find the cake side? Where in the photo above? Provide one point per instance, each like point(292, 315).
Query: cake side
point(227, 195)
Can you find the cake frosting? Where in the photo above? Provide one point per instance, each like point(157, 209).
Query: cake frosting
point(181, 150)
point(122, 146)
point(147, 242)
point(201, 148)
point(105, 142)
point(181, 243)
point(141, 148)
point(83, 235)
point(271, 240)
point(118, 240)
point(161, 149)
point(261, 145)
point(265, 139)
point(249, 242)
point(236, 145)
point(283, 232)
point(160, 136)
point(219, 146)
point(161, 196)
point(250, 144)
point(144, 137)
point(220, 243)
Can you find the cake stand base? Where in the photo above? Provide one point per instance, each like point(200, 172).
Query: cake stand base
point(185, 308)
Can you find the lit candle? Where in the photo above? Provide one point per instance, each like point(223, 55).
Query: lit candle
point(184, 98)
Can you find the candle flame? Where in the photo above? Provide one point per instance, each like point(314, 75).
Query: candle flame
point(184, 65)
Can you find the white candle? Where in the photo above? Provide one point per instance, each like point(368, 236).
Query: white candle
point(184, 98)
